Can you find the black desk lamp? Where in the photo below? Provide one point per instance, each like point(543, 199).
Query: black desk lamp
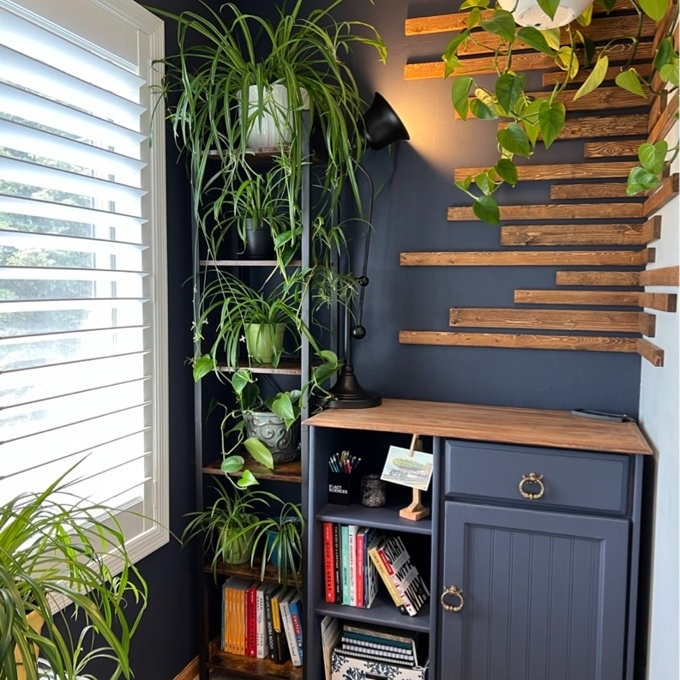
point(382, 127)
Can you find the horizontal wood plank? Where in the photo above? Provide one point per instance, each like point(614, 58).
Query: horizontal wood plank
point(559, 211)
point(661, 276)
point(598, 278)
point(644, 69)
point(663, 195)
point(553, 319)
point(552, 171)
point(611, 149)
point(593, 127)
point(514, 258)
point(665, 302)
point(581, 234)
point(662, 124)
point(560, 192)
point(518, 425)
point(650, 352)
point(606, 298)
point(520, 341)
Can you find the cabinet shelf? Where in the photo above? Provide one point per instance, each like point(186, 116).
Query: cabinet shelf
point(282, 472)
point(382, 613)
point(248, 667)
point(386, 518)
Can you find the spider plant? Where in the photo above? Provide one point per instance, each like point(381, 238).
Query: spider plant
point(55, 551)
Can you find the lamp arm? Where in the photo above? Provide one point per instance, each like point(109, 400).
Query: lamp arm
point(359, 331)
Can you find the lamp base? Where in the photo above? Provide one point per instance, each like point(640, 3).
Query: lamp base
point(347, 393)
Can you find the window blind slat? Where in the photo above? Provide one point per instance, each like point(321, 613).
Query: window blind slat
point(57, 116)
point(59, 212)
point(31, 74)
point(36, 241)
point(49, 145)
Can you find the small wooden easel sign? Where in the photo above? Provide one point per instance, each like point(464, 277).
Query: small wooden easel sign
point(410, 467)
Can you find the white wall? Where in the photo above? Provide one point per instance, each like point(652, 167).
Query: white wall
point(659, 417)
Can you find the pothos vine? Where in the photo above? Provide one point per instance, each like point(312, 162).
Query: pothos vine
point(532, 120)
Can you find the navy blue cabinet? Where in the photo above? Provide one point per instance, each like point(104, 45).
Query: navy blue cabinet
point(538, 573)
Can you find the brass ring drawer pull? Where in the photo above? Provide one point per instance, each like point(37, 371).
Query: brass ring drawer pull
point(532, 479)
point(456, 592)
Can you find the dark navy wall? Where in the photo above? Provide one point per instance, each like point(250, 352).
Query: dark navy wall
point(410, 214)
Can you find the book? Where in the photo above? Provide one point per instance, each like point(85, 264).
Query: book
point(330, 635)
point(407, 580)
point(381, 569)
point(251, 620)
point(279, 652)
point(268, 620)
point(235, 636)
point(225, 615)
point(337, 562)
point(295, 608)
point(344, 562)
point(262, 643)
point(352, 530)
point(381, 643)
point(364, 597)
point(328, 562)
point(287, 623)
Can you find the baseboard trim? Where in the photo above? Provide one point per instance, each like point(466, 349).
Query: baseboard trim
point(190, 671)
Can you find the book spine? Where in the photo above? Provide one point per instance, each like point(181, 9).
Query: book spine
point(344, 562)
point(379, 641)
point(225, 617)
point(279, 653)
point(381, 568)
point(377, 655)
point(251, 621)
point(390, 558)
point(361, 567)
point(329, 561)
point(241, 618)
point(287, 622)
point(269, 623)
point(337, 555)
point(352, 530)
point(261, 640)
point(296, 616)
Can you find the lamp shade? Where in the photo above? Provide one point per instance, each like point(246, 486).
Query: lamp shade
point(382, 126)
point(529, 12)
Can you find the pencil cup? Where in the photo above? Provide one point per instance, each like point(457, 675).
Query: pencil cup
point(340, 487)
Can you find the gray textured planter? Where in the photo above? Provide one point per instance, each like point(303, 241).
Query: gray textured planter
point(271, 431)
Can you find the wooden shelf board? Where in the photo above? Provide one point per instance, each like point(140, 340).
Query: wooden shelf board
point(526, 258)
point(551, 211)
point(502, 424)
point(246, 263)
point(664, 194)
point(246, 571)
point(601, 278)
point(282, 472)
point(611, 298)
point(661, 276)
point(249, 667)
point(285, 367)
point(569, 171)
point(560, 192)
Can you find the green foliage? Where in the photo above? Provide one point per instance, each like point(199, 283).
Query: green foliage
point(529, 121)
point(54, 544)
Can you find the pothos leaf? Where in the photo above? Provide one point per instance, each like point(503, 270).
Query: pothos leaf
point(664, 53)
point(532, 37)
point(588, 49)
point(653, 156)
point(509, 87)
point(202, 366)
point(474, 3)
point(566, 59)
point(486, 209)
point(595, 77)
point(670, 73)
point(460, 95)
point(629, 80)
point(640, 180)
point(514, 139)
point(586, 16)
point(502, 24)
point(551, 118)
point(480, 110)
point(259, 452)
point(655, 9)
point(549, 7)
point(507, 171)
point(530, 120)
point(232, 464)
point(553, 37)
point(247, 479)
point(485, 184)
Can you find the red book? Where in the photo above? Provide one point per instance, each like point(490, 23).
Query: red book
point(329, 561)
point(251, 620)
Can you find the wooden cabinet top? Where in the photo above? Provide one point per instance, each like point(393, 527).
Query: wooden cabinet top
point(510, 425)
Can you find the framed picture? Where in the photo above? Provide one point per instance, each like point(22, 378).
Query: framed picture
point(408, 468)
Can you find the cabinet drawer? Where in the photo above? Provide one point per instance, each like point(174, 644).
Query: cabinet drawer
point(570, 479)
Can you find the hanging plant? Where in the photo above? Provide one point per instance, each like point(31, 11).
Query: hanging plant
point(530, 120)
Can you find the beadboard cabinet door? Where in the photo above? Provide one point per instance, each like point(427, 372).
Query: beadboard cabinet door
point(543, 594)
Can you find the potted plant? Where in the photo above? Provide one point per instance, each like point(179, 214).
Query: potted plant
point(227, 54)
point(278, 541)
point(228, 524)
point(56, 551)
point(533, 119)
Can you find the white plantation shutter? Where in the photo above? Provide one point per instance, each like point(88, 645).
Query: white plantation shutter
point(83, 334)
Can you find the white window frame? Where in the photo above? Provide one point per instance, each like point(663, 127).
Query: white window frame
point(88, 23)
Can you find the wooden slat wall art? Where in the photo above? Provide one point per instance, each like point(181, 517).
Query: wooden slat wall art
point(593, 211)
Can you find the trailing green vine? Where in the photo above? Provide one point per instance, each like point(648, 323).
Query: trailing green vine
point(530, 120)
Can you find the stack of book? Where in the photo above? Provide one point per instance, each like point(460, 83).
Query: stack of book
point(403, 581)
point(262, 620)
point(350, 576)
point(387, 652)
